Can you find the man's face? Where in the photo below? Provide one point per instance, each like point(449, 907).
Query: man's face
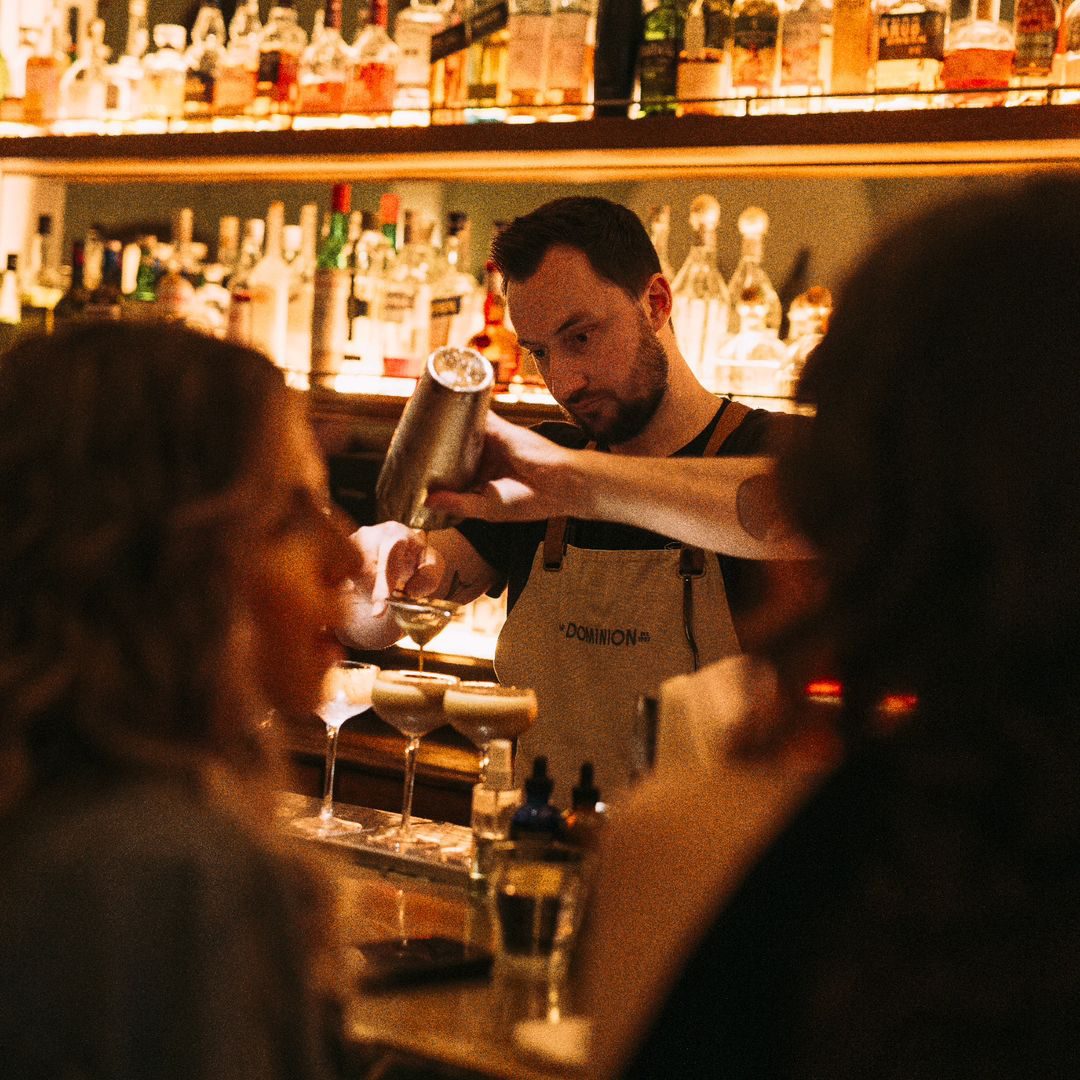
point(593, 345)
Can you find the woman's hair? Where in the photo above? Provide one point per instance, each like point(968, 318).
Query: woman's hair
point(129, 469)
point(939, 482)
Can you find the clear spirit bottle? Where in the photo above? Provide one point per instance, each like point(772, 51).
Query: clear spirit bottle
point(234, 91)
point(325, 66)
point(699, 312)
point(808, 317)
point(704, 75)
point(805, 47)
point(269, 285)
point(911, 50)
point(238, 327)
point(659, 227)
point(371, 259)
point(205, 57)
point(662, 37)
point(452, 287)
point(979, 55)
point(753, 226)
point(755, 56)
point(854, 49)
point(124, 97)
point(1037, 24)
point(571, 56)
point(371, 85)
point(165, 74)
point(413, 30)
point(405, 301)
point(85, 85)
point(753, 360)
point(529, 30)
point(277, 89)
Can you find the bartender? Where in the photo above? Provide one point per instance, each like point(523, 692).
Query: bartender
point(599, 613)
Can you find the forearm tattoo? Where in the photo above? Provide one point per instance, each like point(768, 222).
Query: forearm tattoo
point(758, 509)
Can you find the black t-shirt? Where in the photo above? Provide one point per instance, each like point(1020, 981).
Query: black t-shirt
point(510, 548)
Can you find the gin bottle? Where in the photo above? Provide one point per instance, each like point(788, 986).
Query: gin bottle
point(662, 38)
point(979, 54)
point(277, 88)
point(371, 85)
point(238, 327)
point(753, 225)
point(911, 48)
point(699, 312)
point(405, 301)
point(571, 55)
point(325, 66)
point(333, 285)
point(753, 360)
point(302, 289)
point(205, 57)
point(529, 29)
point(755, 35)
point(704, 76)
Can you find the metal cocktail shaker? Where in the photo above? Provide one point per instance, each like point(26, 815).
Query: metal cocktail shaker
point(439, 438)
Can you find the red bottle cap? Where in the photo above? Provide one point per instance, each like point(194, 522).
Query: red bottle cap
point(341, 199)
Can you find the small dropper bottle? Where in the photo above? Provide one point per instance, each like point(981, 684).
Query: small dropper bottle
point(537, 819)
point(583, 821)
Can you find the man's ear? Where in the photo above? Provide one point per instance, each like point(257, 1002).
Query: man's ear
point(657, 302)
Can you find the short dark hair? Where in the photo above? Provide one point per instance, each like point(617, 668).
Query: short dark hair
point(608, 234)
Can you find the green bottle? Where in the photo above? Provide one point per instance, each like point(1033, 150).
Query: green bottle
point(333, 285)
point(658, 57)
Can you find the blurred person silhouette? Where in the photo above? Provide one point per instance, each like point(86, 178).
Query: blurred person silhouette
point(873, 868)
point(170, 568)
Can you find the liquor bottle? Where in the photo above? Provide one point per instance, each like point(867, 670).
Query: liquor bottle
point(389, 208)
point(84, 86)
point(239, 327)
point(1037, 23)
point(753, 360)
point(44, 70)
point(529, 30)
point(125, 76)
point(10, 307)
point(105, 300)
point(301, 260)
point(175, 293)
point(147, 273)
point(854, 48)
point(204, 59)
point(277, 89)
point(704, 75)
point(73, 302)
point(413, 31)
point(333, 286)
point(234, 91)
point(452, 288)
point(446, 83)
point(37, 272)
point(808, 328)
point(372, 256)
point(618, 38)
point(210, 305)
point(537, 820)
point(979, 54)
point(805, 30)
point(495, 341)
point(753, 225)
point(911, 49)
point(165, 74)
point(405, 301)
point(755, 35)
point(699, 313)
point(658, 58)
point(269, 285)
point(495, 800)
point(325, 66)
point(486, 66)
point(659, 230)
point(571, 54)
point(373, 80)
point(1070, 42)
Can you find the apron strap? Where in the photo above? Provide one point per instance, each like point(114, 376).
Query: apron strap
point(555, 536)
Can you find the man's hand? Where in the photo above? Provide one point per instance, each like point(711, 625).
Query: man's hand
point(522, 477)
point(395, 559)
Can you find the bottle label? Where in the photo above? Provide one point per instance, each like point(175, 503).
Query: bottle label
point(658, 70)
point(396, 306)
point(1036, 37)
point(199, 87)
point(916, 36)
point(800, 54)
point(753, 58)
point(527, 51)
point(414, 68)
point(572, 39)
point(330, 320)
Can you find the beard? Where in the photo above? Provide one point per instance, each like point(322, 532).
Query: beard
point(646, 387)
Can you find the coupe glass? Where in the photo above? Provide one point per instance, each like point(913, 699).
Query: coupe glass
point(483, 711)
point(346, 691)
point(412, 702)
point(421, 619)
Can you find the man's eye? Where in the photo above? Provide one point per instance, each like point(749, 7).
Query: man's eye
point(539, 355)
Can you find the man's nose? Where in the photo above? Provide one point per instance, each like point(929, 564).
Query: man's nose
point(568, 379)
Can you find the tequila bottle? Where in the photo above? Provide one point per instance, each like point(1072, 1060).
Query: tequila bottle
point(529, 30)
point(571, 55)
point(372, 82)
point(269, 284)
point(165, 74)
point(911, 49)
point(754, 360)
point(277, 88)
point(662, 36)
point(659, 230)
point(84, 86)
point(805, 47)
point(704, 75)
point(44, 70)
point(234, 91)
point(979, 54)
point(809, 319)
point(753, 225)
point(325, 66)
point(125, 77)
point(854, 48)
point(413, 30)
point(205, 57)
point(699, 312)
point(1037, 24)
point(755, 35)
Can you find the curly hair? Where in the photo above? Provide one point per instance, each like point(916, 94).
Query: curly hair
point(128, 468)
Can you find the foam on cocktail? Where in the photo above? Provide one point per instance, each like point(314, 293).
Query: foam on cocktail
point(486, 711)
point(412, 702)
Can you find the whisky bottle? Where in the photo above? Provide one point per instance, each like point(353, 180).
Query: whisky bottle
point(854, 49)
point(529, 30)
point(571, 55)
point(704, 76)
point(699, 312)
point(277, 88)
point(979, 54)
point(44, 69)
point(753, 225)
point(755, 35)
point(911, 49)
point(373, 80)
point(1070, 34)
point(662, 38)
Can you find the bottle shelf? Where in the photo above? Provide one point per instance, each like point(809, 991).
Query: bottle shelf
point(875, 143)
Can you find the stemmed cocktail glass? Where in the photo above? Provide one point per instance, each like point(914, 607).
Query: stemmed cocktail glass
point(412, 702)
point(346, 691)
point(483, 711)
point(421, 619)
